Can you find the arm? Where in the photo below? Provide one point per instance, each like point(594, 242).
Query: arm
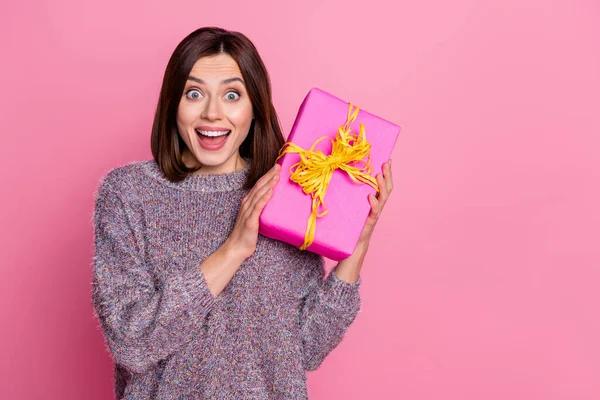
point(143, 321)
point(349, 269)
point(329, 308)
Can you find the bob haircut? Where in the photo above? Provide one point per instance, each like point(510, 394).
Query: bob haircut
point(264, 138)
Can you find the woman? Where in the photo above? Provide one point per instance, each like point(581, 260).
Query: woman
point(193, 303)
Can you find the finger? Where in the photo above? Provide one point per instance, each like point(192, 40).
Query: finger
point(249, 200)
point(260, 205)
point(267, 176)
point(387, 174)
point(374, 206)
point(383, 189)
point(265, 188)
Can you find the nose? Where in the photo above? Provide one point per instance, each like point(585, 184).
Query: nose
point(212, 110)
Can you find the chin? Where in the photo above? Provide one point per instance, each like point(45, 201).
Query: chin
point(213, 160)
point(217, 158)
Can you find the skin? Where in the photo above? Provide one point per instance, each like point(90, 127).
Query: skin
point(214, 96)
point(348, 270)
point(211, 103)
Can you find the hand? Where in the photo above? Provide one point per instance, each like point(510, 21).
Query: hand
point(377, 203)
point(243, 238)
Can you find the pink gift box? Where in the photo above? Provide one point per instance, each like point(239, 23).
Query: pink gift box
point(286, 215)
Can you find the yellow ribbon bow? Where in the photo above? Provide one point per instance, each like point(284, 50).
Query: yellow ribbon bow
point(315, 169)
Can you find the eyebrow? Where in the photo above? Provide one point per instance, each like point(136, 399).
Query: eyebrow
point(224, 82)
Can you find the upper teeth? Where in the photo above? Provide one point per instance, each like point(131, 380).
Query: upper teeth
point(213, 133)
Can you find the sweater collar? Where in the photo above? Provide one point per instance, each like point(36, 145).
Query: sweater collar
point(202, 182)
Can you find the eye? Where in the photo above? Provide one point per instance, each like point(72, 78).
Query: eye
point(231, 95)
point(193, 94)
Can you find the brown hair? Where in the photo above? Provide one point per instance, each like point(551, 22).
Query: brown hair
point(264, 139)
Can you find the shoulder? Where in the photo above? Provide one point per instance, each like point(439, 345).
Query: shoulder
point(122, 181)
point(124, 174)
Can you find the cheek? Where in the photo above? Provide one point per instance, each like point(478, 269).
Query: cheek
point(242, 116)
point(183, 125)
point(184, 117)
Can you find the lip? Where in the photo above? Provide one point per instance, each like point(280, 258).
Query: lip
point(210, 147)
point(211, 129)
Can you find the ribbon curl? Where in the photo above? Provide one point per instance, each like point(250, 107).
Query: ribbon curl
point(315, 169)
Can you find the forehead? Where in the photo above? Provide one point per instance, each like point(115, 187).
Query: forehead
point(216, 67)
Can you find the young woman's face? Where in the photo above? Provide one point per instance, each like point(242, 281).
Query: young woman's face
point(214, 115)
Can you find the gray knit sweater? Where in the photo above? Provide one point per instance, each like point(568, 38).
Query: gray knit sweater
point(169, 336)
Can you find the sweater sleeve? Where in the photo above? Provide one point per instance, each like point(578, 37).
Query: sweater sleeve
point(328, 310)
point(143, 319)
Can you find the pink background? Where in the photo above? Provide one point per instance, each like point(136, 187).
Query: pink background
point(482, 279)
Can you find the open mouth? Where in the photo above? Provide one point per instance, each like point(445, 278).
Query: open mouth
point(213, 139)
point(211, 134)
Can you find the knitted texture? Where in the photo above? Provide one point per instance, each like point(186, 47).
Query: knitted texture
point(169, 336)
